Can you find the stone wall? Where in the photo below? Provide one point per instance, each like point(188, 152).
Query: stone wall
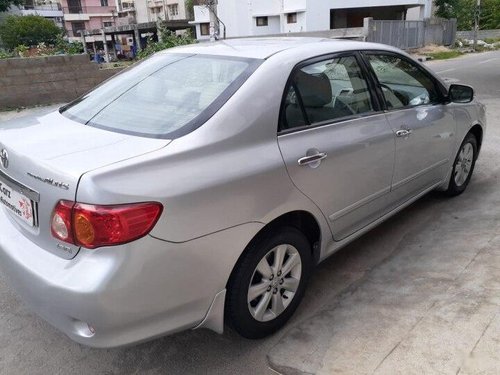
point(482, 34)
point(45, 80)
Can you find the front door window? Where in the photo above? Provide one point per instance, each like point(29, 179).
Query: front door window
point(403, 83)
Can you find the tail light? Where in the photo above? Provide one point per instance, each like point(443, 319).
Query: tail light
point(93, 226)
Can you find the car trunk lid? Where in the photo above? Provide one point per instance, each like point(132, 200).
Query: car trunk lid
point(42, 162)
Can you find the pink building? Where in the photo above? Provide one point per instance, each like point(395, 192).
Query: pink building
point(88, 15)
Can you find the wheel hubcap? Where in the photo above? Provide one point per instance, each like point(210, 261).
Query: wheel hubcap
point(274, 283)
point(464, 164)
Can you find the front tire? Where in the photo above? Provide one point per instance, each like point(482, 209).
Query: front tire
point(268, 283)
point(463, 166)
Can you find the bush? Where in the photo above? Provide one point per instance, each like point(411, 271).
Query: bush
point(168, 40)
point(21, 50)
point(70, 48)
point(28, 31)
point(5, 54)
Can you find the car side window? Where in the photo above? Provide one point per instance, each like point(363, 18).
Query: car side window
point(325, 91)
point(403, 84)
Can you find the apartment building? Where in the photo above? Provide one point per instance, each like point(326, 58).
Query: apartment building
point(51, 10)
point(142, 11)
point(165, 10)
point(88, 15)
point(264, 17)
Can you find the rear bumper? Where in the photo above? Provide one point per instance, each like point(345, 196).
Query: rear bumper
point(127, 294)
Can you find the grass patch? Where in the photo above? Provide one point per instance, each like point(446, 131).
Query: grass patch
point(491, 40)
point(443, 55)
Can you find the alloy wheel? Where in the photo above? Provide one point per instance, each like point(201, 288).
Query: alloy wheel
point(464, 164)
point(274, 282)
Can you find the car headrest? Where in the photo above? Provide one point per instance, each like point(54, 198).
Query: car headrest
point(315, 90)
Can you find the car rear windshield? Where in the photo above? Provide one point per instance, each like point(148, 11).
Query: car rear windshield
point(166, 96)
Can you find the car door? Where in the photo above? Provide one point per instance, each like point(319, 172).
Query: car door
point(336, 143)
point(423, 125)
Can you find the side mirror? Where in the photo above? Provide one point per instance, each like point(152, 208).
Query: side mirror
point(460, 93)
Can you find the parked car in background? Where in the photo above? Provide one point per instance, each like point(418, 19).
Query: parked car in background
point(204, 184)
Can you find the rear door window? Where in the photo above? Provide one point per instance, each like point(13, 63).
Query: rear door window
point(324, 92)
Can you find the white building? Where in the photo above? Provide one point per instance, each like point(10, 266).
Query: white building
point(142, 11)
point(264, 17)
point(155, 10)
point(49, 9)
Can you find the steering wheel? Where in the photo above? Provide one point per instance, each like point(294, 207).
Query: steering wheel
point(403, 99)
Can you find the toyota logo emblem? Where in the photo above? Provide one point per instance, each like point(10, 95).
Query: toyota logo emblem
point(4, 158)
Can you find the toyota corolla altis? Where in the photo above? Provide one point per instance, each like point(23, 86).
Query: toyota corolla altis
point(203, 185)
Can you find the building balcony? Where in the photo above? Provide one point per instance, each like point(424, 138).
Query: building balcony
point(125, 10)
point(89, 10)
point(123, 21)
point(47, 11)
point(155, 3)
point(84, 13)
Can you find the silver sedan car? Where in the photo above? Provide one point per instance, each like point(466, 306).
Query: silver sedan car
point(203, 185)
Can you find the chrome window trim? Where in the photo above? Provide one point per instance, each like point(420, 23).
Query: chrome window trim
point(329, 122)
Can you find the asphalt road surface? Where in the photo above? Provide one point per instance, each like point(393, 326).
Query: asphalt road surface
point(375, 306)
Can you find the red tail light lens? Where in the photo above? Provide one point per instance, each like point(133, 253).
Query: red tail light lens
point(94, 226)
point(60, 223)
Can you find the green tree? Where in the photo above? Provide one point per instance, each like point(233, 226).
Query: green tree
point(5, 4)
point(28, 30)
point(168, 39)
point(446, 8)
point(464, 10)
point(490, 14)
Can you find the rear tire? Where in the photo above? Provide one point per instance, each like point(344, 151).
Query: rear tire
point(268, 283)
point(463, 166)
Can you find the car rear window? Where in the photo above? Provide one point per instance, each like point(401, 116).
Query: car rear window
point(166, 96)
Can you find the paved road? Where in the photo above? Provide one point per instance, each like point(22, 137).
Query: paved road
point(420, 290)
point(479, 70)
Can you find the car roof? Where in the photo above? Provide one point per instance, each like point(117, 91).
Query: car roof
point(262, 48)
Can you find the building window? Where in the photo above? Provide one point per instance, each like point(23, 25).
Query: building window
point(76, 27)
point(74, 6)
point(104, 3)
point(173, 9)
point(261, 21)
point(291, 18)
point(205, 28)
point(107, 24)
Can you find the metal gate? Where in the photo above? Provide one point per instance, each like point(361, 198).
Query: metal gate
point(412, 34)
point(401, 34)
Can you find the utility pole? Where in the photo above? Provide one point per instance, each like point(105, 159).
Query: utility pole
point(215, 21)
point(477, 13)
point(212, 8)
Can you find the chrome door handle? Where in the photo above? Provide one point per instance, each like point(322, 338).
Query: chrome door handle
point(312, 158)
point(403, 133)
